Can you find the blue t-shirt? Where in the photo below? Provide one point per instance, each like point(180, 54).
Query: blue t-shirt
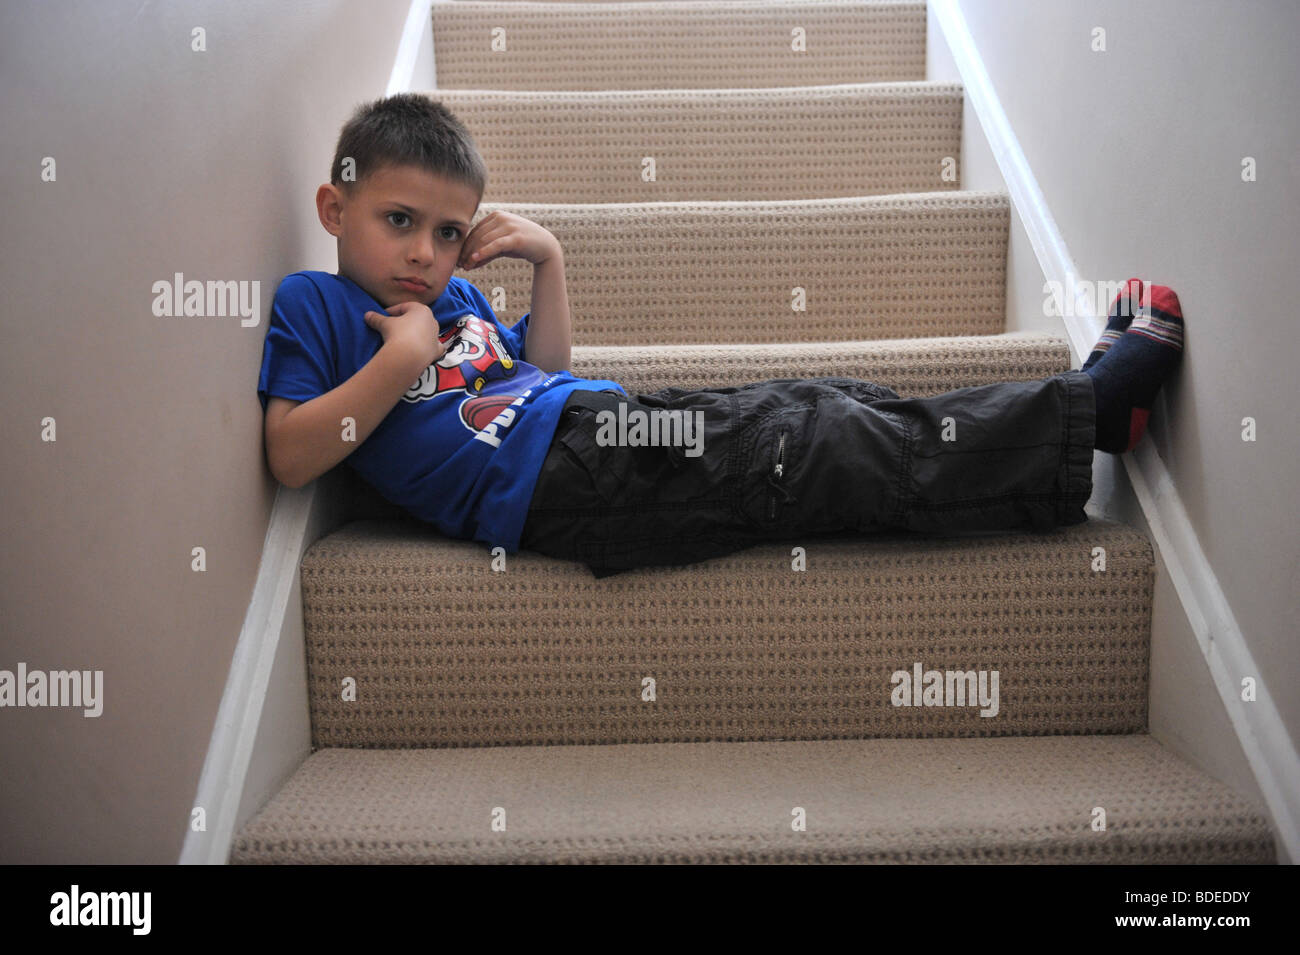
point(463, 447)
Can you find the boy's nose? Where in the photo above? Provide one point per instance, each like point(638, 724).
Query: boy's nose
point(422, 250)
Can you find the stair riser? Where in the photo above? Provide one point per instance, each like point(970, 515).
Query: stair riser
point(482, 658)
point(902, 267)
point(663, 46)
point(786, 143)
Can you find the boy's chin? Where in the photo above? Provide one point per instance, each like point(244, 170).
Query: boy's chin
point(424, 298)
point(388, 295)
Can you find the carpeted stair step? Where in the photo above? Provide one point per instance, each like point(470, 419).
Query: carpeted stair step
point(1028, 800)
point(586, 46)
point(446, 650)
point(802, 142)
point(849, 269)
point(912, 367)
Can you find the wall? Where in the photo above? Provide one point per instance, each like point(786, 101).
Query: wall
point(167, 160)
point(1138, 151)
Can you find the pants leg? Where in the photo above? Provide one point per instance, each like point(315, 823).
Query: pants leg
point(788, 458)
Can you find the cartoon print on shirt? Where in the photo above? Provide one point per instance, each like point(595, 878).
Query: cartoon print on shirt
point(475, 359)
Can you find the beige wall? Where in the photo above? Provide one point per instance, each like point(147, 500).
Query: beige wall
point(168, 160)
point(1138, 152)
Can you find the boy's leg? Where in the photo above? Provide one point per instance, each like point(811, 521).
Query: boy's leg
point(785, 459)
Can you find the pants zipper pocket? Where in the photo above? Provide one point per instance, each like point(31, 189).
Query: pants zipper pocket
point(778, 471)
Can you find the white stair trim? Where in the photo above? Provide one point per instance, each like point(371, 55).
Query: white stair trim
point(413, 66)
point(1259, 727)
point(271, 612)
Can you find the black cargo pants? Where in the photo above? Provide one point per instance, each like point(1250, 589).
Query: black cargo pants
point(787, 459)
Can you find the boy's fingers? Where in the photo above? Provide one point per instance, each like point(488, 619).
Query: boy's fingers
point(480, 240)
point(481, 252)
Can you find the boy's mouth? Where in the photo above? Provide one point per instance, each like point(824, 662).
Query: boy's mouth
point(414, 285)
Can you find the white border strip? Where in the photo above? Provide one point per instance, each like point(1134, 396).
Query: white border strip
point(225, 769)
point(417, 32)
point(1259, 726)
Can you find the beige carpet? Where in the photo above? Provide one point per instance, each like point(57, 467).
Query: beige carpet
point(560, 46)
point(888, 800)
point(445, 651)
point(730, 145)
point(912, 367)
point(832, 270)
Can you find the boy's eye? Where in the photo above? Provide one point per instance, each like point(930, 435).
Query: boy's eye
point(406, 220)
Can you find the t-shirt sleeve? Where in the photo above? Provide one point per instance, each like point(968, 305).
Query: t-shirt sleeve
point(514, 336)
point(296, 361)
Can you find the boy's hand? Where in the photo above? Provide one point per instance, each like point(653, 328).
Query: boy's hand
point(504, 233)
point(410, 325)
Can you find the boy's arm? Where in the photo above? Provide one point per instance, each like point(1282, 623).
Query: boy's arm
point(550, 331)
point(305, 439)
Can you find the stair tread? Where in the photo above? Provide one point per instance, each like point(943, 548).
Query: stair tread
point(423, 545)
point(674, 95)
point(886, 203)
point(1005, 800)
point(912, 367)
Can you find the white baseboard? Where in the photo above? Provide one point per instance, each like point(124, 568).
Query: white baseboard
point(413, 66)
point(1258, 725)
point(272, 628)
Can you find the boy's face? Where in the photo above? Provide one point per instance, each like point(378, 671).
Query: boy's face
point(401, 222)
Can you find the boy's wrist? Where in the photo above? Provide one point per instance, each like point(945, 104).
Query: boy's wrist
point(556, 254)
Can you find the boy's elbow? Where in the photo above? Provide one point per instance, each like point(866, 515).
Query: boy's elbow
point(281, 454)
point(290, 475)
point(280, 470)
point(284, 475)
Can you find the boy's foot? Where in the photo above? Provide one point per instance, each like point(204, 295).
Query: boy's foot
point(1121, 314)
point(1129, 366)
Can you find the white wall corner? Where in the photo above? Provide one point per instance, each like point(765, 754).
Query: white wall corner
point(413, 67)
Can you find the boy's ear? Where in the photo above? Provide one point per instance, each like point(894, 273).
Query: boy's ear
point(329, 205)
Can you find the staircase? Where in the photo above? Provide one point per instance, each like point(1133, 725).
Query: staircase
point(768, 732)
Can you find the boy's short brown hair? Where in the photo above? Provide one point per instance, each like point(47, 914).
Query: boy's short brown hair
point(407, 129)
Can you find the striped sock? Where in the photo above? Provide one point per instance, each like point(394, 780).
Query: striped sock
point(1133, 366)
point(1121, 314)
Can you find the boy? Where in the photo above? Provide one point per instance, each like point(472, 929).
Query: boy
point(479, 429)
